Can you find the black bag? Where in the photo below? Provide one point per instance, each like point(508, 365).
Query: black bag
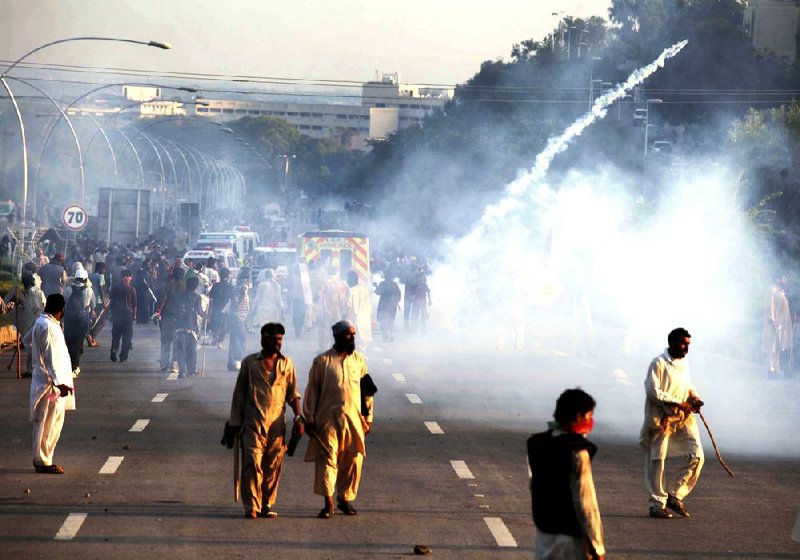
point(76, 313)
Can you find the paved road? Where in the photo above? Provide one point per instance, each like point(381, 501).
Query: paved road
point(446, 465)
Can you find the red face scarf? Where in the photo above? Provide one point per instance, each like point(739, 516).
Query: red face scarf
point(581, 426)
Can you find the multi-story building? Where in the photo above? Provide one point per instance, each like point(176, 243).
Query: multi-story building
point(773, 25)
point(385, 107)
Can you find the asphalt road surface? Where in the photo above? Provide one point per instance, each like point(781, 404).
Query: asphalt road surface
point(147, 478)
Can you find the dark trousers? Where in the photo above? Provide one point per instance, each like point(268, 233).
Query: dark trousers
point(167, 355)
point(298, 316)
point(123, 331)
point(186, 352)
point(238, 338)
point(73, 336)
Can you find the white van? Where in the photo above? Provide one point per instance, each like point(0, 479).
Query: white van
point(240, 243)
point(229, 260)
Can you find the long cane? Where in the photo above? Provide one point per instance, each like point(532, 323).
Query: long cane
point(203, 347)
point(237, 449)
point(714, 444)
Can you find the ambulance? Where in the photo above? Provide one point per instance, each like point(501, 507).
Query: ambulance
point(346, 250)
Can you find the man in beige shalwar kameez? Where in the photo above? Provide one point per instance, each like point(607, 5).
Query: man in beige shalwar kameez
point(267, 383)
point(337, 420)
point(670, 428)
point(778, 334)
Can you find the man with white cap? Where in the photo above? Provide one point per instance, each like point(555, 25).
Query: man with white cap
point(338, 408)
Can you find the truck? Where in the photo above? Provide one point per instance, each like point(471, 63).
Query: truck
point(344, 250)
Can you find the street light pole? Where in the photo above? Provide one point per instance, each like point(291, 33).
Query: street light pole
point(647, 122)
point(157, 44)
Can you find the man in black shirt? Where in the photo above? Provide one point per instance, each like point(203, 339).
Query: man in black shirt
point(123, 310)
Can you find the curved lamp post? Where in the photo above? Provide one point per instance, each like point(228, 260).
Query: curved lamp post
point(157, 44)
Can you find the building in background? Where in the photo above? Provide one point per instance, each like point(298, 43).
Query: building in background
point(773, 25)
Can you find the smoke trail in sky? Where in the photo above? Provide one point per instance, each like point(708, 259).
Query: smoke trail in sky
point(560, 143)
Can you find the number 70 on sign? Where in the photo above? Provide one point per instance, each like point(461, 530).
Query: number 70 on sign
point(74, 217)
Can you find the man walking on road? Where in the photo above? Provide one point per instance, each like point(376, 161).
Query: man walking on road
point(123, 310)
point(266, 384)
point(52, 389)
point(338, 411)
point(188, 312)
point(563, 497)
point(670, 428)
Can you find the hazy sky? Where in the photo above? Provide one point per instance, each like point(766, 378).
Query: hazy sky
point(427, 41)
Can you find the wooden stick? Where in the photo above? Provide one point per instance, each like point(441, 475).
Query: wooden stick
point(237, 449)
point(714, 443)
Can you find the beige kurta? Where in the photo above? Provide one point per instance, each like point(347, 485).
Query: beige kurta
point(332, 403)
point(258, 405)
point(360, 312)
point(665, 432)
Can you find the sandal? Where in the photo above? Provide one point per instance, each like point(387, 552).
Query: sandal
point(325, 513)
point(49, 469)
point(346, 507)
point(268, 513)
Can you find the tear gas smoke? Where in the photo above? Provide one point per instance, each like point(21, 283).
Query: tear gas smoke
point(582, 267)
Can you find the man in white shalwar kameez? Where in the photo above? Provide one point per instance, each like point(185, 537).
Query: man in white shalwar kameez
point(338, 419)
point(268, 305)
point(52, 389)
point(778, 330)
point(670, 428)
point(359, 309)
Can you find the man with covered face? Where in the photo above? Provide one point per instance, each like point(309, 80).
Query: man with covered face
point(338, 410)
point(265, 386)
point(670, 428)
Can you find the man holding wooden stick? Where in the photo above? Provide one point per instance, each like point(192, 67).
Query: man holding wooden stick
point(670, 428)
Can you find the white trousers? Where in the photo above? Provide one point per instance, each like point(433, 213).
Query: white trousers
point(47, 429)
point(686, 474)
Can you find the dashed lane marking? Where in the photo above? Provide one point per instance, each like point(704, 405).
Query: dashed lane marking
point(386, 361)
point(461, 468)
point(173, 376)
point(111, 465)
point(160, 397)
point(500, 532)
point(434, 428)
point(139, 425)
point(413, 398)
point(71, 526)
point(399, 377)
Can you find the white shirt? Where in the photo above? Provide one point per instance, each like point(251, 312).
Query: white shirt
point(51, 363)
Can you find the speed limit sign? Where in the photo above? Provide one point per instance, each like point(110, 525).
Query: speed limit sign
point(75, 217)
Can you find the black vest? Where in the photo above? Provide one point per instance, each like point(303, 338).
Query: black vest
point(550, 459)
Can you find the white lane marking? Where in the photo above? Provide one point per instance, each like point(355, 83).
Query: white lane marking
point(461, 468)
point(796, 530)
point(413, 398)
point(173, 376)
point(160, 397)
point(483, 506)
point(386, 361)
point(434, 428)
point(479, 495)
point(500, 532)
point(399, 377)
point(111, 465)
point(71, 526)
point(139, 425)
